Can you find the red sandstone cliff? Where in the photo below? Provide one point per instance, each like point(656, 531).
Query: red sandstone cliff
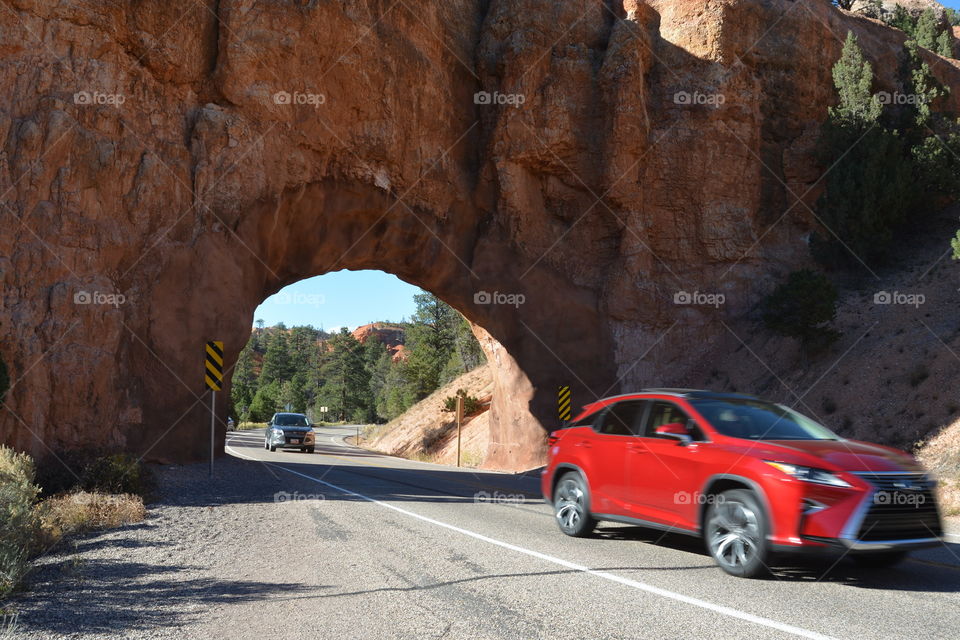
point(166, 166)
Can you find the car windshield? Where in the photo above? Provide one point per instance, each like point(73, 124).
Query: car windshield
point(759, 420)
point(290, 420)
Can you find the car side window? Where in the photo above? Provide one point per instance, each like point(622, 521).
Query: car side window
point(623, 418)
point(662, 413)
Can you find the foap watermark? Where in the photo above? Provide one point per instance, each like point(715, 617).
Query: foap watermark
point(696, 98)
point(96, 98)
point(512, 299)
point(900, 498)
point(899, 297)
point(699, 298)
point(498, 497)
point(305, 299)
point(897, 98)
point(297, 497)
point(497, 98)
point(696, 497)
point(299, 98)
point(99, 298)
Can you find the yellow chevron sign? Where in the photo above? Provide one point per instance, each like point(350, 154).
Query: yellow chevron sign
point(563, 403)
point(214, 370)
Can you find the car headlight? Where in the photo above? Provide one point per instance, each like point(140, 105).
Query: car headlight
point(809, 474)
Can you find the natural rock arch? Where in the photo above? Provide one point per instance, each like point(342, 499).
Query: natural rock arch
point(329, 226)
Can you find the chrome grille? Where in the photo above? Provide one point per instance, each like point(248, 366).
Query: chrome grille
point(903, 507)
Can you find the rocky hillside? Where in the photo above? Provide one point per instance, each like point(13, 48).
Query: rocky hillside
point(557, 171)
point(428, 432)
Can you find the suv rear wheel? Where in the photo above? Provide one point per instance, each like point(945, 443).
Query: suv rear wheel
point(571, 505)
point(736, 533)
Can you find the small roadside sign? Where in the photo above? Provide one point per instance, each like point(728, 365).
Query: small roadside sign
point(214, 366)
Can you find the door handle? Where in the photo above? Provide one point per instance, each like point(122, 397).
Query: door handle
point(584, 443)
point(637, 448)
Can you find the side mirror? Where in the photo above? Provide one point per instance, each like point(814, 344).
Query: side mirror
point(676, 431)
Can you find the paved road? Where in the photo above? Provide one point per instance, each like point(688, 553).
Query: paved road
point(412, 550)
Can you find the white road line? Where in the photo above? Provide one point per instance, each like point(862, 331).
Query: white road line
point(636, 584)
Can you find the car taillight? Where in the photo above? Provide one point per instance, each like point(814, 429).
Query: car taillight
point(553, 439)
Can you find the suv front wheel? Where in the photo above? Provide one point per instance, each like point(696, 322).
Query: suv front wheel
point(736, 533)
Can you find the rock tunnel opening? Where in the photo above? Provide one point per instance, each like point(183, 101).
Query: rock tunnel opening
point(537, 328)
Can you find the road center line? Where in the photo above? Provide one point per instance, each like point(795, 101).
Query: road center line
point(636, 584)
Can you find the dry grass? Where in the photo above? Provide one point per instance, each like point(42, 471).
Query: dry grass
point(942, 456)
point(73, 513)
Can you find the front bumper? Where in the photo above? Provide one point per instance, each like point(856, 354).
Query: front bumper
point(883, 512)
point(291, 440)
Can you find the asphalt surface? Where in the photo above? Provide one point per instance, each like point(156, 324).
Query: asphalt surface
point(406, 549)
point(345, 543)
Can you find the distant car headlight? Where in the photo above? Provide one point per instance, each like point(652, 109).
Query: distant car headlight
point(809, 474)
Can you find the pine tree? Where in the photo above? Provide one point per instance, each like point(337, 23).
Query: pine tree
point(347, 388)
point(853, 79)
point(928, 29)
point(244, 385)
point(276, 359)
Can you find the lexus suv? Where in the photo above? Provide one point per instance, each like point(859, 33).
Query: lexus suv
point(289, 431)
point(754, 479)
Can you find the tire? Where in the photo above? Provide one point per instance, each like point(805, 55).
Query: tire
point(309, 449)
point(571, 506)
point(883, 560)
point(735, 533)
point(272, 448)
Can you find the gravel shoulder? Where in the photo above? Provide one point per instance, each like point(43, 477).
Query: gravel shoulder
point(155, 578)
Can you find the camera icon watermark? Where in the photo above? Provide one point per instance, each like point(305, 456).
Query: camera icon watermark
point(898, 98)
point(498, 497)
point(99, 298)
point(900, 498)
point(696, 99)
point(281, 497)
point(96, 98)
point(305, 299)
point(298, 98)
point(909, 299)
point(697, 497)
point(497, 98)
point(698, 298)
point(510, 299)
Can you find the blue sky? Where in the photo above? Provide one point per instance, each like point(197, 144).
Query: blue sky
point(340, 299)
point(953, 4)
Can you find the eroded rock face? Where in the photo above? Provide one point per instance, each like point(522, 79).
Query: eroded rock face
point(558, 172)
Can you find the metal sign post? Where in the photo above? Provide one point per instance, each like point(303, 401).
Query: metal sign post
point(460, 406)
point(213, 375)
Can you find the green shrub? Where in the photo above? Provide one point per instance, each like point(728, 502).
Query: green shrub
point(471, 404)
point(18, 519)
point(116, 473)
point(802, 307)
point(92, 470)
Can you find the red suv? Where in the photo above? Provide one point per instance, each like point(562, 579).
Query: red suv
point(751, 477)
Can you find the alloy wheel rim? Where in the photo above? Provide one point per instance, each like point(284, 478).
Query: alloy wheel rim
point(734, 534)
point(570, 505)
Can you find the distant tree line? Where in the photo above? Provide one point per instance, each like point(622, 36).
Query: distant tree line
point(306, 368)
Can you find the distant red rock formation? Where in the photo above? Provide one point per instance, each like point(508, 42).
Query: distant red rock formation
point(390, 335)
